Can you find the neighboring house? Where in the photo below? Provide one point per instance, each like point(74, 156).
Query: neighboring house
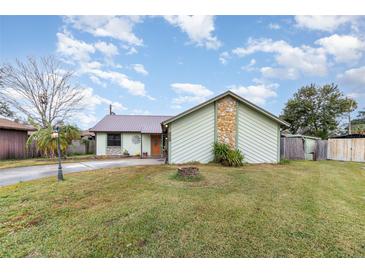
point(189, 136)
point(135, 135)
point(87, 135)
point(226, 118)
point(13, 139)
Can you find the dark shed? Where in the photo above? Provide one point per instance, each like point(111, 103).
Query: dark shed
point(13, 138)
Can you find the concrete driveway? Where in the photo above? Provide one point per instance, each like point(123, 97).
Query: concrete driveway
point(10, 176)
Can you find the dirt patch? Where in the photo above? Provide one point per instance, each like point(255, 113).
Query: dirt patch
point(166, 178)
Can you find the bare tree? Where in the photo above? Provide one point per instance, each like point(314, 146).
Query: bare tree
point(40, 89)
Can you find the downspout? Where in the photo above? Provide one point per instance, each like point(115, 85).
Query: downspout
point(141, 146)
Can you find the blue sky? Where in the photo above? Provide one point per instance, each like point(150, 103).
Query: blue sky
point(164, 65)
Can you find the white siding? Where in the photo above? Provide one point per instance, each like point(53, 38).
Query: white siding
point(192, 137)
point(146, 143)
point(258, 136)
point(100, 143)
point(127, 143)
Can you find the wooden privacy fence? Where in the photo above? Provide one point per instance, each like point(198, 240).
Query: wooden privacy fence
point(300, 147)
point(321, 150)
point(346, 149)
point(81, 147)
point(292, 149)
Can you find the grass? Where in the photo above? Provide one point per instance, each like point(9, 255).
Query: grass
point(300, 209)
point(178, 177)
point(43, 161)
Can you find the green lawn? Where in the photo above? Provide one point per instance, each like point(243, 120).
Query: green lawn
point(301, 209)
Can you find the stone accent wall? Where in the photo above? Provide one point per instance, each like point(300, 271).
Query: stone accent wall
point(226, 121)
point(113, 150)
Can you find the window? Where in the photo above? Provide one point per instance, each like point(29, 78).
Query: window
point(113, 140)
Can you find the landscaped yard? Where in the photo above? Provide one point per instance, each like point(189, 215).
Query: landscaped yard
point(301, 209)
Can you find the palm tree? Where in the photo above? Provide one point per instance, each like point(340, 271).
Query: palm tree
point(47, 145)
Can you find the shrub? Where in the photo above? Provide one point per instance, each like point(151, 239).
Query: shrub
point(226, 156)
point(284, 161)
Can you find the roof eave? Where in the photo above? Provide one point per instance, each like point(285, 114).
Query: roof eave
point(228, 92)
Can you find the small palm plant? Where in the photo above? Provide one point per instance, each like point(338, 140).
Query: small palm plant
point(226, 156)
point(47, 145)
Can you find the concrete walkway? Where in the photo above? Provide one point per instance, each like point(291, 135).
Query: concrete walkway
point(9, 176)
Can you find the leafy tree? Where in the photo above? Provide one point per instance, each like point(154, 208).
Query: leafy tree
point(358, 124)
point(41, 89)
point(315, 110)
point(48, 145)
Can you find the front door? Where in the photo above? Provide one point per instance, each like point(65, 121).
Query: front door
point(155, 145)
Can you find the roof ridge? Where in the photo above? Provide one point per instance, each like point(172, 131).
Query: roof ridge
point(140, 115)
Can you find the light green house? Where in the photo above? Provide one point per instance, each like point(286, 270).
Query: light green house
point(190, 135)
point(226, 118)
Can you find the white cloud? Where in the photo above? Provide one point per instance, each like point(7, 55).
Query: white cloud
point(75, 49)
point(90, 102)
point(117, 27)
point(190, 93)
point(140, 112)
point(199, 28)
point(323, 22)
point(96, 80)
point(257, 94)
point(303, 59)
point(353, 77)
point(274, 26)
point(345, 48)
point(281, 73)
point(86, 120)
point(108, 49)
point(223, 57)
point(133, 87)
point(81, 52)
point(140, 69)
point(249, 66)
point(131, 50)
point(356, 95)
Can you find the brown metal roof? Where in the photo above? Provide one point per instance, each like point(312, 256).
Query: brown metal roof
point(130, 123)
point(8, 124)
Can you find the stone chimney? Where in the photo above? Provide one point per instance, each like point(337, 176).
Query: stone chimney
point(226, 121)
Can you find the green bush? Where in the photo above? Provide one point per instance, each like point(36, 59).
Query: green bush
point(226, 156)
point(284, 161)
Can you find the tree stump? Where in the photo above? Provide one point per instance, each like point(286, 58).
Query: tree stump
point(189, 171)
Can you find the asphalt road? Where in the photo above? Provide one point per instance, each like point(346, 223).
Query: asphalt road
point(9, 176)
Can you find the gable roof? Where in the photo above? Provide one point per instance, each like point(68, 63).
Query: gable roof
point(8, 124)
point(239, 98)
point(130, 123)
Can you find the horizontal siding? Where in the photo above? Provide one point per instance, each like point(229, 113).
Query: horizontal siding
point(192, 137)
point(257, 136)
